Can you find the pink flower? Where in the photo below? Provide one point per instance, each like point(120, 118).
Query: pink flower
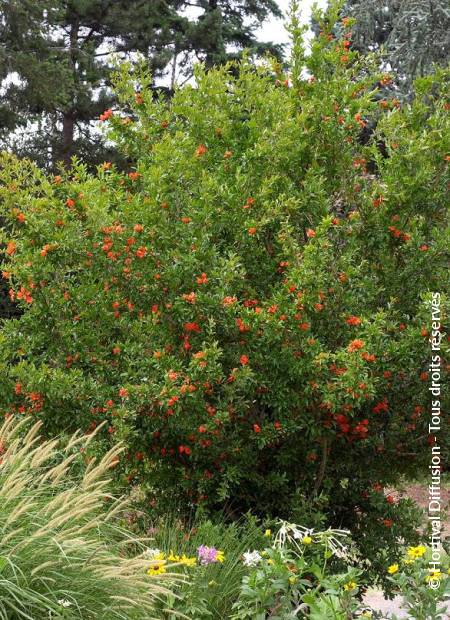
point(209, 555)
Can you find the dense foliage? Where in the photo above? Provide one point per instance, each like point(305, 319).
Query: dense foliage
point(248, 307)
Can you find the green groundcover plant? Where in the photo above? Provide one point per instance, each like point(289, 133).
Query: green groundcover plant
point(238, 572)
point(295, 577)
point(248, 306)
point(63, 556)
point(424, 587)
point(210, 557)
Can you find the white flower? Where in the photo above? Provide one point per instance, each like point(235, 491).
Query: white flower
point(251, 558)
point(151, 554)
point(64, 602)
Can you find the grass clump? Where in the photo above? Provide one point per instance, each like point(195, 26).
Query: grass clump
point(62, 553)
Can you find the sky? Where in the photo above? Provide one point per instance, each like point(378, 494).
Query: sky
point(273, 30)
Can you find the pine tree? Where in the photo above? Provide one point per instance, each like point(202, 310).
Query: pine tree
point(411, 34)
point(60, 54)
point(224, 27)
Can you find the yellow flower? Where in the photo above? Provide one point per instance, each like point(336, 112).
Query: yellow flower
point(366, 614)
point(187, 561)
point(292, 580)
point(393, 568)
point(350, 585)
point(268, 533)
point(182, 559)
point(212, 583)
point(416, 552)
point(156, 569)
point(220, 557)
point(270, 561)
point(435, 575)
point(307, 540)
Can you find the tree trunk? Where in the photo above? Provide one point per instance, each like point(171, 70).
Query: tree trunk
point(67, 139)
point(69, 114)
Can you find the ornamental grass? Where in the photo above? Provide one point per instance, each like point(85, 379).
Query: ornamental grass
point(63, 553)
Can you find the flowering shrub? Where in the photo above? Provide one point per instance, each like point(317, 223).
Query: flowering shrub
point(63, 554)
point(247, 306)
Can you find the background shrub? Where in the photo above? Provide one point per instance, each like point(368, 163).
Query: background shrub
point(249, 307)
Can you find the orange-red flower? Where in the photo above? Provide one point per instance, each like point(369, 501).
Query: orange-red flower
point(201, 150)
point(381, 406)
point(202, 279)
point(11, 248)
point(106, 115)
point(25, 295)
point(192, 327)
point(359, 120)
point(141, 252)
point(190, 297)
point(228, 300)
point(377, 201)
point(355, 345)
point(46, 249)
point(353, 320)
